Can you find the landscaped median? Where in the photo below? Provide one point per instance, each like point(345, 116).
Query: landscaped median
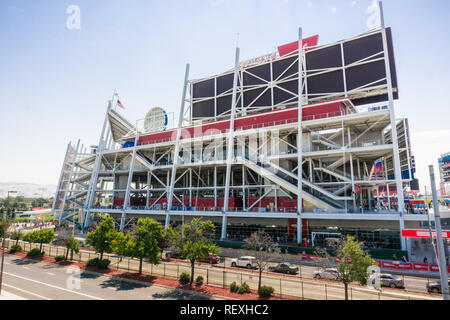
point(152, 279)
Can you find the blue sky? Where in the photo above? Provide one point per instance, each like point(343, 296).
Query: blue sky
point(55, 82)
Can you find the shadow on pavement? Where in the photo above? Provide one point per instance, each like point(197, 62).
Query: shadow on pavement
point(24, 261)
point(89, 275)
point(177, 294)
point(122, 284)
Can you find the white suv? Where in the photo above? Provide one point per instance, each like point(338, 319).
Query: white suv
point(245, 261)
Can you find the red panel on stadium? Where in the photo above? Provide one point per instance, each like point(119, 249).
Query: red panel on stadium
point(292, 47)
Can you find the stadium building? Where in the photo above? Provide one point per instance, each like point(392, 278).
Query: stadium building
point(245, 156)
point(444, 173)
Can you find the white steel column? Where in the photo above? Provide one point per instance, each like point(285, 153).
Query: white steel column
point(177, 146)
point(126, 201)
point(94, 175)
point(407, 149)
point(215, 186)
point(388, 196)
point(299, 136)
point(69, 181)
point(149, 181)
point(439, 240)
point(243, 187)
point(397, 168)
point(230, 147)
point(61, 176)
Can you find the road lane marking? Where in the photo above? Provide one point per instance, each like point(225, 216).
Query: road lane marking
point(26, 268)
point(50, 274)
point(52, 286)
point(27, 292)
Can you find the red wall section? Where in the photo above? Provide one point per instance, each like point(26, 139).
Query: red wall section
point(266, 119)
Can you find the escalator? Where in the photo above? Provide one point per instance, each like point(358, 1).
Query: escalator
point(144, 160)
point(311, 192)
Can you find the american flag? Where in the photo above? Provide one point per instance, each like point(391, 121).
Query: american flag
point(120, 104)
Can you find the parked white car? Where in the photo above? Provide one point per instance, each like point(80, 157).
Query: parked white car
point(245, 262)
point(329, 274)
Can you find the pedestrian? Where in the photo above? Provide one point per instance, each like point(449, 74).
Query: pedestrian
point(404, 259)
point(394, 256)
point(425, 260)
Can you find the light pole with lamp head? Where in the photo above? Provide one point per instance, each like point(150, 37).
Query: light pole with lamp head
point(4, 218)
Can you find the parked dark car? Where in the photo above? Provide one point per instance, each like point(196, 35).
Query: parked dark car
point(174, 255)
point(389, 280)
point(284, 268)
point(435, 287)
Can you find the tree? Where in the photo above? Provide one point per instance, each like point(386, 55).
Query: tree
point(195, 244)
point(323, 259)
point(72, 245)
point(354, 263)
point(264, 250)
point(16, 235)
point(143, 242)
point(120, 246)
point(4, 226)
point(45, 236)
point(103, 236)
point(31, 237)
point(168, 239)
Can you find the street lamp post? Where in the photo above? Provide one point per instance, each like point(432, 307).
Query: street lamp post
point(4, 238)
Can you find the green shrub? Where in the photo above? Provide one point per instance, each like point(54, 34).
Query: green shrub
point(103, 264)
point(199, 280)
point(92, 262)
point(234, 287)
point(15, 248)
point(60, 258)
point(184, 278)
point(265, 291)
point(35, 253)
point(244, 288)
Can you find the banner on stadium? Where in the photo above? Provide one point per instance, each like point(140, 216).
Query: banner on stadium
point(423, 234)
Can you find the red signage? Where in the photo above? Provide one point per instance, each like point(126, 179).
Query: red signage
point(420, 266)
point(434, 268)
point(389, 265)
point(292, 48)
point(423, 234)
point(405, 266)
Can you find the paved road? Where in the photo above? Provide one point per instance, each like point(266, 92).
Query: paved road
point(29, 279)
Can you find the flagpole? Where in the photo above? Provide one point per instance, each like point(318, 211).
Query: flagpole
point(114, 94)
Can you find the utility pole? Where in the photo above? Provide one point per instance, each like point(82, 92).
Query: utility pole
point(429, 228)
point(4, 218)
point(440, 242)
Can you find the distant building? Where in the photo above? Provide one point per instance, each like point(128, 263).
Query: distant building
point(444, 172)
